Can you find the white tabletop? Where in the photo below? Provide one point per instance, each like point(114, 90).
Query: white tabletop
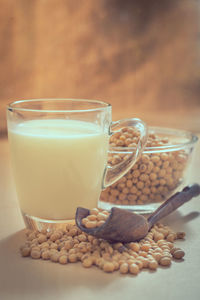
point(24, 278)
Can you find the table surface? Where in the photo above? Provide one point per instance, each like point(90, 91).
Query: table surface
point(24, 278)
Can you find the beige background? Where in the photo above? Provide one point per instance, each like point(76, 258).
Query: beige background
point(141, 56)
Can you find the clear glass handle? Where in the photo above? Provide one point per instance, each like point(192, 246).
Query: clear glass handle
point(129, 154)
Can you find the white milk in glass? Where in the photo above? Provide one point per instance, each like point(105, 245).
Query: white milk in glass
point(58, 165)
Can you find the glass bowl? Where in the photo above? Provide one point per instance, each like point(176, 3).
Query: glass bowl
point(161, 170)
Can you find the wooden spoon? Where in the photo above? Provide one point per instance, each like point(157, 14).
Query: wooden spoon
point(125, 226)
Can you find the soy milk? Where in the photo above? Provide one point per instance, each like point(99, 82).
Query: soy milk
point(58, 165)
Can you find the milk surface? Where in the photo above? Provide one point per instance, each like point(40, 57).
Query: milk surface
point(58, 165)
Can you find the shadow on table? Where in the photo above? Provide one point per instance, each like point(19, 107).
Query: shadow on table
point(179, 222)
point(23, 276)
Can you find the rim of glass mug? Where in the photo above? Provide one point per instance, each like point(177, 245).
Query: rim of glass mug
point(98, 105)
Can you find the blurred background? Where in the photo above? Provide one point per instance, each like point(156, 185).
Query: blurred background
point(142, 56)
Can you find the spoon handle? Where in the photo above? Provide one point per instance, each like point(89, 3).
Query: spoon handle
point(173, 203)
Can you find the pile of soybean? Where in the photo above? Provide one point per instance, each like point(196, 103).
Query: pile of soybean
point(72, 245)
point(155, 175)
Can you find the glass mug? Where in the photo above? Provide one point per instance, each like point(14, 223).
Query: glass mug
point(59, 150)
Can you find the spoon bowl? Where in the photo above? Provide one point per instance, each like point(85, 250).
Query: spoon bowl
point(125, 226)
